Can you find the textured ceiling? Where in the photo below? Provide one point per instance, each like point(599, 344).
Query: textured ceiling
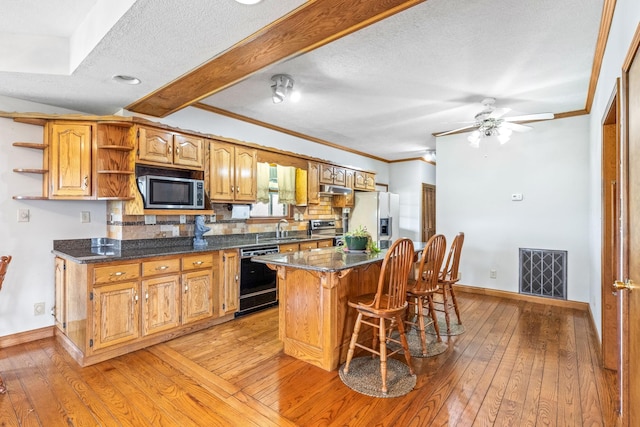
point(382, 90)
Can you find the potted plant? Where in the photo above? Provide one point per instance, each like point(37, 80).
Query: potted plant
point(359, 240)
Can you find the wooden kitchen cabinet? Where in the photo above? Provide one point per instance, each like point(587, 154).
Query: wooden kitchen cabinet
point(107, 309)
point(289, 247)
point(230, 289)
point(233, 173)
point(169, 149)
point(308, 245)
point(313, 183)
point(325, 243)
point(334, 175)
point(70, 147)
point(365, 181)
point(346, 200)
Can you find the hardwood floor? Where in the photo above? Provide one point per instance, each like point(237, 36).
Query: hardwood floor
point(517, 364)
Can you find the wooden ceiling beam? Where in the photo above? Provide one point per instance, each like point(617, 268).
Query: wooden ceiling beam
point(310, 26)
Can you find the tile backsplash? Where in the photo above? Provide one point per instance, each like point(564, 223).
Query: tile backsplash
point(133, 227)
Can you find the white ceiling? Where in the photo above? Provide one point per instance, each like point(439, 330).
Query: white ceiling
point(382, 90)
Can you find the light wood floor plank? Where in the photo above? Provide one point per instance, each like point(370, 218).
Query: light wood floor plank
point(518, 363)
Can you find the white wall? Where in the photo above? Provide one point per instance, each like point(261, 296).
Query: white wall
point(550, 167)
point(30, 277)
point(406, 179)
point(625, 22)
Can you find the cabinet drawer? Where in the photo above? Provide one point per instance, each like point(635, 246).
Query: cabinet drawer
point(325, 243)
point(116, 273)
point(195, 262)
point(308, 245)
point(163, 266)
point(291, 247)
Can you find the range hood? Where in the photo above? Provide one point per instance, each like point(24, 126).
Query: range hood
point(334, 189)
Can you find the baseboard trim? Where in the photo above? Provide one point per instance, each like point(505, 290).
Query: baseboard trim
point(582, 306)
point(27, 336)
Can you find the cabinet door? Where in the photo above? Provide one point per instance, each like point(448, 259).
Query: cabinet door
point(155, 146)
point(222, 172)
point(326, 174)
point(70, 165)
point(60, 284)
point(115, 314)
point(197, 296)
point(230, 282)
point(246, 174)
point(349, 177)
point(339, 176)
point(370, 182)
point(360, 182)
point(160, 304)
point(313, 183)
point(188, 151)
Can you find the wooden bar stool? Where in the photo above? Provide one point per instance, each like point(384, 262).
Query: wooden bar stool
point(449, 276)
point(385, 309)
point(4, 263)
point(421, 289)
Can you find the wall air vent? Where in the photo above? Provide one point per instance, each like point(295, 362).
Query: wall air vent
point(543, 272)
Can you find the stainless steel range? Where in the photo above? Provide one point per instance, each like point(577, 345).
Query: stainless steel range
point(325, 228)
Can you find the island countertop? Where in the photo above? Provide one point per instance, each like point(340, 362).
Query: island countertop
point(327, 259)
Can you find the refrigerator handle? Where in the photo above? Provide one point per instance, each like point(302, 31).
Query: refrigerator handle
point(390, 227)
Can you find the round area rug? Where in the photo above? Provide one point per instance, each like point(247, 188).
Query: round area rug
point(364, 377)
point(434, 347)
point(456, 328)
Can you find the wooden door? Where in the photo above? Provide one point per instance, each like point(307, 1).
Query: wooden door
point(428, 211)
point(629, 299)
point(160, 304)
point(197, 296)
point(313, 183)
point(188, 151)
point(222, 172)
point(246, 167)
point(115, 314)
point(70, 166)
point(230, 282)
point(59, 312)
point(155, 146)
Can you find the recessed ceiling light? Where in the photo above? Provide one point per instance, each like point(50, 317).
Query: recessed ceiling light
point(128, 80)
point(249, 1)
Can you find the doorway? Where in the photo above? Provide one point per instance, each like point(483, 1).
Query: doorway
point(428, 211)
point(610, 226)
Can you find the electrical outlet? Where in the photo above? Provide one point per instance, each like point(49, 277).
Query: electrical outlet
point(149, 219)
point(493, 274)
point(183, 219)
point(23, 215)
point(85, 216)
point(38, 309)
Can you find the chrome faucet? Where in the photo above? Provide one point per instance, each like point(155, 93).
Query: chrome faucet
point(278, 232)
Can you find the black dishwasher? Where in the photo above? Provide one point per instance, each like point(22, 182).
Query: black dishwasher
point(258, 283)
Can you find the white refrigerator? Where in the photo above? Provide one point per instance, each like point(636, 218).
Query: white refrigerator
point(379, 212)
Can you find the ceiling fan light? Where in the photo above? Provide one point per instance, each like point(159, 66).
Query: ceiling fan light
point(503, 138)
point(474, 139)
point(281, 87)
point(505, 131)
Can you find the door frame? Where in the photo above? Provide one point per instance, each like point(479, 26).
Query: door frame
point(428, 211)
point(610, 253)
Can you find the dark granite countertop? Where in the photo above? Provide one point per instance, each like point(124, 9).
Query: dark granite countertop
point(326, 259)
point(86, 251)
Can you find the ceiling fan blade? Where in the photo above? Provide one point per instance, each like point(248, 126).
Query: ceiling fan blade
point(530, 117)
point(498, 112)
point(455, 130)
point(517, 127)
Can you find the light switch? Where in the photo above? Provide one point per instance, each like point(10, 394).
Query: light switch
point(516, 197)
point(23, 215)
point(85, 216)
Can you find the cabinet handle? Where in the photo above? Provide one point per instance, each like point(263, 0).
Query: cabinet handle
point(236, 277)
point(197, 262)
point(85, 182)
point(170, 149)
point(146, 296)
point(186, 288)
point(162, 267)
point(118, 273)
point(233, 189)
point(177, 151)
point(135, 297)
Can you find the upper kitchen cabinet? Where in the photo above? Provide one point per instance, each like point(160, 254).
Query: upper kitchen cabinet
point(346, 200)
point(233, 173)
point(313, 183)
point(70, 159)
point(332, 175)
point(365, 181)
point(168, 149)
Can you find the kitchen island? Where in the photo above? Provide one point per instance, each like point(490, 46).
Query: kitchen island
point(315, 322)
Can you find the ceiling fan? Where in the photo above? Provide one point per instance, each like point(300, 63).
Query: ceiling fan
point(490, 121)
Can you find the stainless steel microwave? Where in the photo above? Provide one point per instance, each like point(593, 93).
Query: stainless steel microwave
point(162, 192)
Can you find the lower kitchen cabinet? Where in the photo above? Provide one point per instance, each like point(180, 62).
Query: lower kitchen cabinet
point(108, 309)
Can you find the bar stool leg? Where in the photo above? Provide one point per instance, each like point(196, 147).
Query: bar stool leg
point(3, 388)
point(455, 304)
